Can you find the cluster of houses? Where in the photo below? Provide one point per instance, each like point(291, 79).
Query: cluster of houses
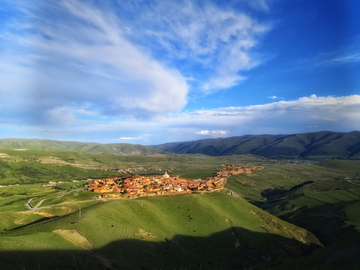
point(127, 170)
point(142, 186)
point(231, 169)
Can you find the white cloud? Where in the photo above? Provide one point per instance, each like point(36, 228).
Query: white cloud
point(214, 133)
point(222, 82)
point(334, 111)
point(81, 56)
point(86, 112)
point(73, 54)
point(203, 132)
point(129, 138)
point(273, 97)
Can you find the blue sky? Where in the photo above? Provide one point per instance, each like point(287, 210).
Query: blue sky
point(152, 72)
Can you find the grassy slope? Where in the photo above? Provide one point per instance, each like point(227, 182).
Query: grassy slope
point(32, 172)
point(328, 206)
point(200, 229)
point(350, 167)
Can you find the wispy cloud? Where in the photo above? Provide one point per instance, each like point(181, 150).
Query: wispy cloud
point(345, 55)
point(80, 56)
point(73, 54)
point(88, 67)
point(86, 112)
point(219, 41)
point(337, 58)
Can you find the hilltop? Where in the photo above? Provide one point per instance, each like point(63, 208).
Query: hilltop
point(325, 144)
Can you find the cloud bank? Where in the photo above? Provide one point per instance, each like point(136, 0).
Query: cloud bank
point(314, 113)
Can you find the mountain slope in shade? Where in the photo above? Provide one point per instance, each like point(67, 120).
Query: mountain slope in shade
point(324, 144)
point(114, 148)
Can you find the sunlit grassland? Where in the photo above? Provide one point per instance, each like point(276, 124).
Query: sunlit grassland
point(15, 197)
point(21, 167)
point(26, 172)
point(163, 230)
point(201, 228)
point(284, 177)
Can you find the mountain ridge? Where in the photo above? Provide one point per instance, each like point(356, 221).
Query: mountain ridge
point(323, 144)
point(89, 147)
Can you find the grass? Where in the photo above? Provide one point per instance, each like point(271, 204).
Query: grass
point(24, 167)
point(314, 197)
point(351, 167)
point(13, 198)
point(164, 232)
point(190, 229)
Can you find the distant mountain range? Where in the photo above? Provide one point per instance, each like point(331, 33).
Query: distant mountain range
point(113, 148)
point(323, 144)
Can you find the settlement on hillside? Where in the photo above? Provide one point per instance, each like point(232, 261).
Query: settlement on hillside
point(142, 186)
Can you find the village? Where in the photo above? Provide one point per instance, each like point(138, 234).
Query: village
point(142, 186)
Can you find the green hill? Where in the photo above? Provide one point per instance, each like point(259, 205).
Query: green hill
point(323, 144)
point(114, 148)
point(209, 231)
point(318, 198)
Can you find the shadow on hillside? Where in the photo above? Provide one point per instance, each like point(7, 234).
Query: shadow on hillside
point(234, 248)
point(327, 221)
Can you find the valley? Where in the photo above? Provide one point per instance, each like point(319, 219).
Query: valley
point(283, 216)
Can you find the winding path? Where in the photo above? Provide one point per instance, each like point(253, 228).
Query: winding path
point(28, 206)
point(351, 182)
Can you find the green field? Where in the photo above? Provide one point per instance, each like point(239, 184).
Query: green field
point(260, 229)
point(174, 232)
point(314, 197)
point(32, 166)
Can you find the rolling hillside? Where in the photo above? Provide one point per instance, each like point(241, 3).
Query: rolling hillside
point(323, 144)
point(209, 231)
point(114, 148)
